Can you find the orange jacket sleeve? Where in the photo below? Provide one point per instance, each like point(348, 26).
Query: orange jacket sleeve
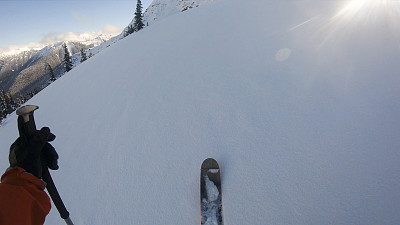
point(23, 200)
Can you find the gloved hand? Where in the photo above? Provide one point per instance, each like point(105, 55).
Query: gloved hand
point(32, 150)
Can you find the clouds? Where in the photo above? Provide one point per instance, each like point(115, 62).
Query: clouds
point(75, 36)
point(45, 22)
point(52, 37)
point(69, 36)
point(18, 48)
point(109, 30)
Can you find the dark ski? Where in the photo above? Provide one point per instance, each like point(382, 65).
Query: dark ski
point(211, 193)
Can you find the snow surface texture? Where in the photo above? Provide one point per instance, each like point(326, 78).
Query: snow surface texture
point(298, 101)
point(157, 10)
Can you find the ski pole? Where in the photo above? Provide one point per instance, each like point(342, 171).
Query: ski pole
point(27, 112)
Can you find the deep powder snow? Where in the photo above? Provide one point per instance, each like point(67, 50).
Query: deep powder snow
point(298, 101)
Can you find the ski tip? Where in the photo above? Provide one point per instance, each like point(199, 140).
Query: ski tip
point(209, 163)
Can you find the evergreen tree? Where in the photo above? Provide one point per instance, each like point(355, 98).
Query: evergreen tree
point(3, 106)
point(10, 103)
point(51, 72)
point(83, 55)
point(138, 24)
point(129, 30)
point(67, 59)
point(7, 104)
point(20, 100)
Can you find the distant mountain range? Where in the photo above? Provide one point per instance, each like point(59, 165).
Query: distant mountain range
point(27, 71)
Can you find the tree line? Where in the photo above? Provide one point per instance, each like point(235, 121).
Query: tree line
point(138, 20)
point(9, 104)
point(137, 25)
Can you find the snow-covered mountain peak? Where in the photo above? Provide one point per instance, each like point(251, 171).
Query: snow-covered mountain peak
point(17, 51)
point(86, 38)
point(92, 38)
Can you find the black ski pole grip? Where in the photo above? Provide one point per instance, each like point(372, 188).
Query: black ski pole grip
point(29, 126)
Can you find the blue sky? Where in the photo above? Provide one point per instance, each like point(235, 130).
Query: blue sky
point(34, 22)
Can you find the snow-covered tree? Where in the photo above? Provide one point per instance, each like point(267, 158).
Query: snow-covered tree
point(67, 59)
point(51, 72)
point(7, 104)
point(20, 100)
point(3, 106)
point(129, 30)
point(83, 55)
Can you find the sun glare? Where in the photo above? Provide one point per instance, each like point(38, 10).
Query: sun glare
point(368, 16)
point(363, 9)
point(351, 8)
point(368, 12)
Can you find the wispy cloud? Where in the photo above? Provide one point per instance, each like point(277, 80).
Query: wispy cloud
point(74, 36)
point(111, 29)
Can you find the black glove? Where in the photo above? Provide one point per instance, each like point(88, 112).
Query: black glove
point(31, 150)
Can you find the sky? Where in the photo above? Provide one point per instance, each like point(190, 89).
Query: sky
point(38, 22)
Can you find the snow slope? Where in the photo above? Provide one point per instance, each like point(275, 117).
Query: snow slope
point(160, 9)
point(297, 100)
point(157, 10)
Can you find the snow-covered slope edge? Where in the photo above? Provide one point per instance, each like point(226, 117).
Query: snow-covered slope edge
point(157, 11)
point(300, 111)
point(160, 9)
